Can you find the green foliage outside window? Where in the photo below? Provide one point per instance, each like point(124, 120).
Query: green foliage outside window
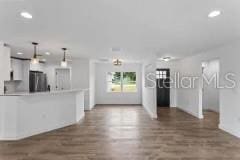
point(121, 82)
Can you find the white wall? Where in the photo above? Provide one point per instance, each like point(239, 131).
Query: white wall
point(80, 78)
point(80, 69)
point(210, 92)
point(190, 100)
point(92, 86)
point(149, 101)
point(104, 97)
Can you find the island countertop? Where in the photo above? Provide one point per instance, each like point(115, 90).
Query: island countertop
point(43, 93)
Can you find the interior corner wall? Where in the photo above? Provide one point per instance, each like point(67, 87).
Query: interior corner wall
point(210, 92)
point(149, 101)
point(80, 78)
point(92, 81)
point(104, 97)
point(190, 99)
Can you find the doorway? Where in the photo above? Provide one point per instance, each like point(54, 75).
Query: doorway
point(210, 92)
point(63, 78)
point(163, 87)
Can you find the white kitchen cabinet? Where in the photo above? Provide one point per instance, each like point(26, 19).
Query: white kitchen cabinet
point(4, 65)
point(17, 69)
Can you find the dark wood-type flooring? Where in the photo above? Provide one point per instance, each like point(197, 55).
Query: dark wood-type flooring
point(127, 133)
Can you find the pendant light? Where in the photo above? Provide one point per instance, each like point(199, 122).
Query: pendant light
point(117, 62)
point(64, 62)
point(35, 59)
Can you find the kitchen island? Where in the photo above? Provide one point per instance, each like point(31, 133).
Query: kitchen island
point(27, 114)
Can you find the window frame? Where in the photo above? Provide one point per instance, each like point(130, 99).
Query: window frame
point(121, 82)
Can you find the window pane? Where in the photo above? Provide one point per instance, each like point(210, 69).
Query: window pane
point(158, 76)
point(114, 76)
point(114, 81)
point(114, 87)
point(129, 82)
point(130, 86)
point(129, 76)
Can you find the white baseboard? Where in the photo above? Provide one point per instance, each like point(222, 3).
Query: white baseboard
point(229, 129)
point(152, 115)
point(37, 132)
point(28, 133)
point(191, 113)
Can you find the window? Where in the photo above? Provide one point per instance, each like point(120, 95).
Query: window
point(129, 82)
point(114, 82)
point(121, 82)
point(161, 74)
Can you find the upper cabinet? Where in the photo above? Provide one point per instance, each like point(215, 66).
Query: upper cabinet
point(16, 69)
point(5, 66)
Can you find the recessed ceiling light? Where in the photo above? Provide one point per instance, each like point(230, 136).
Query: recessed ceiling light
point(117, 62)
point(47, 53)
point(19, 53)
point(214, 14)
point(26, 15)
point(166, 59)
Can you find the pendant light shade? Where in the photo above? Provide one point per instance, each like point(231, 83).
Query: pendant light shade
point(117, 62)
point(64, 62)
point(35, 59)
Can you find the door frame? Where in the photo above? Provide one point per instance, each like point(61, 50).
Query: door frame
point(55, 77)
point(168, 69)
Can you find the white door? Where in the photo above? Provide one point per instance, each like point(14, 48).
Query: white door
point(63, 79)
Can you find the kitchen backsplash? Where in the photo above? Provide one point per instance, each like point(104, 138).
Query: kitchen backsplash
point(12, 86)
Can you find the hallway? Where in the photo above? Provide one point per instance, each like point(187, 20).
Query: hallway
point(127, 132)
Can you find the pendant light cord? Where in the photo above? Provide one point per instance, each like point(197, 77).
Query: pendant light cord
point(35, 49)
point(64, 54)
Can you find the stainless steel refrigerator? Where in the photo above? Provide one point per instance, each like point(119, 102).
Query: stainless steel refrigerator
point(37, 81)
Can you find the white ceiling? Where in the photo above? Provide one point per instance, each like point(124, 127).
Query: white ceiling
point(141, 28)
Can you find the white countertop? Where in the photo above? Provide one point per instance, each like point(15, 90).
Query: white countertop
point(43, 93)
